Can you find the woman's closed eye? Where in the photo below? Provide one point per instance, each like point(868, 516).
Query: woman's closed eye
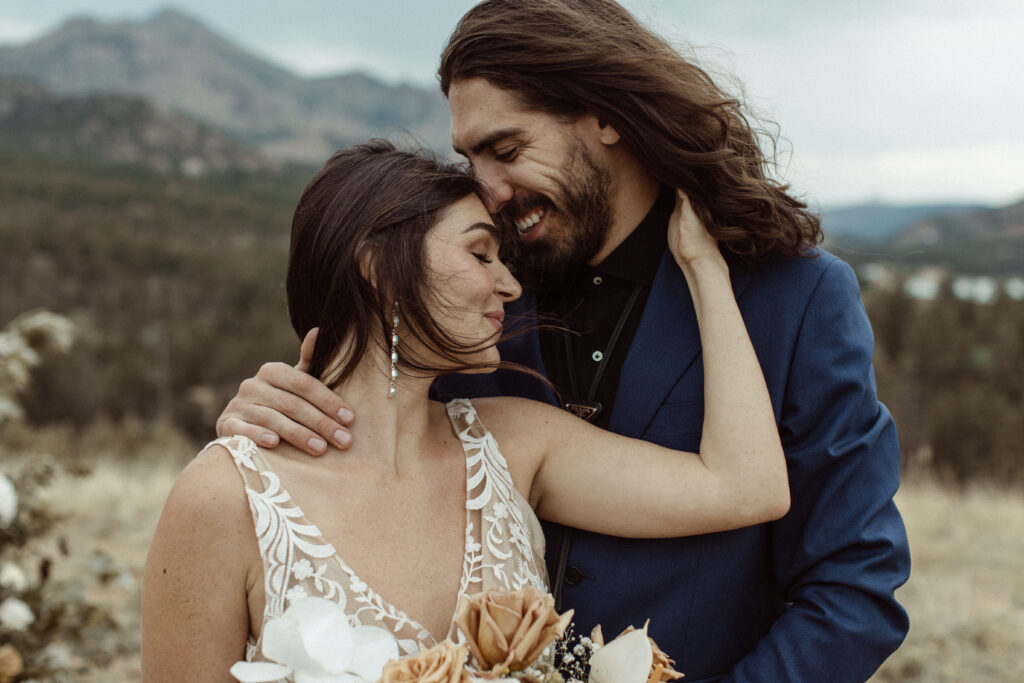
point(483, 258)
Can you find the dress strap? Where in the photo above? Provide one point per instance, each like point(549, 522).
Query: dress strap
point(248, 459)
point(508, 537)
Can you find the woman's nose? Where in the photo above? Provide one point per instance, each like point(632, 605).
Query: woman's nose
point(508, 286)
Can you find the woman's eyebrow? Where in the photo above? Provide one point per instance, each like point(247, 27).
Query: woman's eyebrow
point(489, 227)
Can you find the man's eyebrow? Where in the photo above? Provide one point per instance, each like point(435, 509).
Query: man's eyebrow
point(490, 140)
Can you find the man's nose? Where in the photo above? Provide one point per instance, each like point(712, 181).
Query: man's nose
point(498, 190)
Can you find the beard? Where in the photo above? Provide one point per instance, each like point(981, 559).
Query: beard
point(585, 213)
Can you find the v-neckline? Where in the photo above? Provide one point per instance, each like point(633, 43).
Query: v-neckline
point(365, 588)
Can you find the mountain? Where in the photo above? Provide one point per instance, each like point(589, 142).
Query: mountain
point(992, 225)
point(876, 222)
point(116, 129)
point(178, 63)
point(986, 241)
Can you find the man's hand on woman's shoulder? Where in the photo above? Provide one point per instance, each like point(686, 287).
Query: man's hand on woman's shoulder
point(285, 402)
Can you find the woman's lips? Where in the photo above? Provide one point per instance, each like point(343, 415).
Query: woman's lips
point(496, 318)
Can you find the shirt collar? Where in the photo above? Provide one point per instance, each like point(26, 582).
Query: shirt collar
point(638, 257)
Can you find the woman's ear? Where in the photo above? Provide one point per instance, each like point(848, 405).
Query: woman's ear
point(366, 268)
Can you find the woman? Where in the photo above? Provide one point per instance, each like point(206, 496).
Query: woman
point(396, 261)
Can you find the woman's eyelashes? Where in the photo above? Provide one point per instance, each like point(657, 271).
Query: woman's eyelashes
point(483, 258)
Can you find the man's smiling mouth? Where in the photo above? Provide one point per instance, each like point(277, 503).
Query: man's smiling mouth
point(531, 219)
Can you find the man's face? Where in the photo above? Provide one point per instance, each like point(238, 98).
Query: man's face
point(540, 173)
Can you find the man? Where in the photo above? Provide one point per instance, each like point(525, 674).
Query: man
point(580, 122)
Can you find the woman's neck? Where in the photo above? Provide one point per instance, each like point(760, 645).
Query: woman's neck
point(387, 429)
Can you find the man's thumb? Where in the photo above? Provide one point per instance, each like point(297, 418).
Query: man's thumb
point(306, 350)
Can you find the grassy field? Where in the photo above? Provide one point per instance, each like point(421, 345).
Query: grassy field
point(965, 597)
point(966, 592)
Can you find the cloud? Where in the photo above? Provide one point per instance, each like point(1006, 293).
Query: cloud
point(321, 59)
point(15, 31)
point(988, 173)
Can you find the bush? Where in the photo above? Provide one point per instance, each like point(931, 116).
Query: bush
point(46, 629)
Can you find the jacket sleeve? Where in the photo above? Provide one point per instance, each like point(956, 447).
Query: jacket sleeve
point(842, 550)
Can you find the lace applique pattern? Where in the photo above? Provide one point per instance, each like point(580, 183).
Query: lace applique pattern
point(507, 553)
point(504, 545)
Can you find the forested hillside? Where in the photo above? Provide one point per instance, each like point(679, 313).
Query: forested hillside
point(176, 284)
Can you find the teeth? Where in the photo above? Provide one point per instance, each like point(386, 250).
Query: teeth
point(527, 222)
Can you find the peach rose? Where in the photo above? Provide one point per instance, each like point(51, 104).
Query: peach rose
point(507, 632)
point(11, 663)
point(443, 663)
point(661, 669)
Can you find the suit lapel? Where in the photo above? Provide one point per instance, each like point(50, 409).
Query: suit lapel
point(664, 347)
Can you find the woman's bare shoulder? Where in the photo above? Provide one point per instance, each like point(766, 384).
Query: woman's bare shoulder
point(514, 413)
point(210, 486)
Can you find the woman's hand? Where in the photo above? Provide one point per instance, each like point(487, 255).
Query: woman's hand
point(688, 239)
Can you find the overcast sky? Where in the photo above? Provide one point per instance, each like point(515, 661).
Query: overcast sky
point(897, 100)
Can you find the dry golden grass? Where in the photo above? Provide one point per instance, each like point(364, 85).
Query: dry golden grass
point(966, 591)
point(965, 596)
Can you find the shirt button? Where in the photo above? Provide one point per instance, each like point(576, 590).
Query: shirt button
point(597, 356)
point(598, 279)
point(573, 576)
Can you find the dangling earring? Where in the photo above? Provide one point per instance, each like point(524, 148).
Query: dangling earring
point(394, 349)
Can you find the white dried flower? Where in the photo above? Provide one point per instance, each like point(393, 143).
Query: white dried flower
point(15, 614)
point(8, 501)
point(9, 409)
point(16, 359)
point(12, 578)
point(45, 331)
point(58, 656)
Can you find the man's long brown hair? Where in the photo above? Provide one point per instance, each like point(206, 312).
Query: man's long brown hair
point(570, 57)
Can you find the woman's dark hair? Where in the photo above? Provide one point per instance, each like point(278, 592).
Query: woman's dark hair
point(357, 247)
point(570, 57)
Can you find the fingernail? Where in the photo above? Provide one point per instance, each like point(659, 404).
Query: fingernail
point(268, 440)
point(342, 438)
point(346, 415)
point(317, 445)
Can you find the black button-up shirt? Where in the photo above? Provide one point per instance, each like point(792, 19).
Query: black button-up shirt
point(593, 303)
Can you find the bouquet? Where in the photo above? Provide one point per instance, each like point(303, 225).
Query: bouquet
point(507, 637)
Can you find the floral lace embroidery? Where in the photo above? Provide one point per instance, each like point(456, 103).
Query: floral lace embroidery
point(490, 490)
point(298, 561)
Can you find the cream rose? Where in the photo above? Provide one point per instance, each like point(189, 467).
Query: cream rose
point(507, 632)
point(443, 663)
point(632, 656)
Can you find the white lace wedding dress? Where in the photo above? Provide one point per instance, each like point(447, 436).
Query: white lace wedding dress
point(504, 543)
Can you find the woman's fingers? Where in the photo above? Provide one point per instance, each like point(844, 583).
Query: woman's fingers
point(687, 237)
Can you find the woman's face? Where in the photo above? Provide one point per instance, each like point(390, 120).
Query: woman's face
point(470, 285)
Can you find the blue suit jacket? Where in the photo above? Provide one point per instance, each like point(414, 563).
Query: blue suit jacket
point(806, 598)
